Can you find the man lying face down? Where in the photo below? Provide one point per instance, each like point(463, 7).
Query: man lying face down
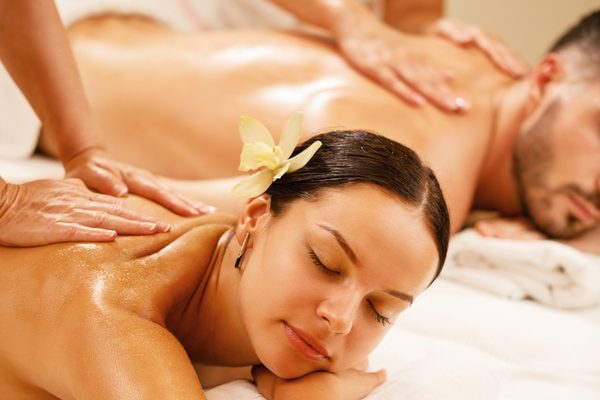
point(529, 147)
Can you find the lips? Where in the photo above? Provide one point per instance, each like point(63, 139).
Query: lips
point(305, 344)
point(583, 210)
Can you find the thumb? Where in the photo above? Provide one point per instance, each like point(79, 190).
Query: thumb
point(105, 182)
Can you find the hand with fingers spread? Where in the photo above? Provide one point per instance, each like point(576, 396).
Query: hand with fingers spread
point(469, 35)
point(351, 384)
point(101, 173)
point(383, 53)
point(50, 211)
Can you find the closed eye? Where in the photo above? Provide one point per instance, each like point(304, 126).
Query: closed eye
point(317, 261)
point(378, 317)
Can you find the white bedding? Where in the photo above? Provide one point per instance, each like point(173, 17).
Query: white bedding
point(459, 343)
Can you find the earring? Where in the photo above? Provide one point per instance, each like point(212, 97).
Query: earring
point(240, 256)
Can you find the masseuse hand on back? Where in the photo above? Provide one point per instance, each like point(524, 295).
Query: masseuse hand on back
point(380, 52)
point(40, 61)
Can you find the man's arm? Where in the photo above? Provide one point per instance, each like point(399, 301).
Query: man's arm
point(588, 242)
point(522, 229)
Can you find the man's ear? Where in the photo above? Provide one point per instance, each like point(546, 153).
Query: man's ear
point(253, 216)
point(550, 69)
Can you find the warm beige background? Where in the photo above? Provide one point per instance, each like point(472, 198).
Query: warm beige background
point(528, 26)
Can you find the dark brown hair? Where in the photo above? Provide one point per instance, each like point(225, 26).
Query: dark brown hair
point(585, 36)
point(356, 156)
point(586, 32)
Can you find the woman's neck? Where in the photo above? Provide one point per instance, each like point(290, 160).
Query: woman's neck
point(212, 328)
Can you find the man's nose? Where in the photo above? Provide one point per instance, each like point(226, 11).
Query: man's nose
point(339, 311)
point(598, 192)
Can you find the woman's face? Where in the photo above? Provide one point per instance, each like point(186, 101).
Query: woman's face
point(323, 282)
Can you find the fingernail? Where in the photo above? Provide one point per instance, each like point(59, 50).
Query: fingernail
point(149, 226)
point(121, 190)
point(461, 104)
point(163, 227)
point(208, 209)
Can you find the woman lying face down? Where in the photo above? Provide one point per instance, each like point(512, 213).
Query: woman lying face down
point(306, 283)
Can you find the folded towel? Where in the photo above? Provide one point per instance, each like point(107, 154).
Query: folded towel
point(542, 270)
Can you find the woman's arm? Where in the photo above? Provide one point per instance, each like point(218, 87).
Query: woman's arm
point(119, 355)
point(351, 384)
point(413, 16)
point(36, 53)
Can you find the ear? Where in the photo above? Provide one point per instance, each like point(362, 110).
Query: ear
point(551, 69)
point(253, 216)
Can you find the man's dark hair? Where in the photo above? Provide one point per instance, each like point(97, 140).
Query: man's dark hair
point(586, 36)
point(356, 156)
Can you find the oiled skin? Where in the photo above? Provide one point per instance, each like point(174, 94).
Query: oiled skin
point(75, 314)
point(170, 102)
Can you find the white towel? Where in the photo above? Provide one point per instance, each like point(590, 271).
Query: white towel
point(543, 270)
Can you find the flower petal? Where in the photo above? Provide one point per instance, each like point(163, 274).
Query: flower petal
point(256, 155)
point(253, 186)
point(300, 160)
point(252, 131)
point(278, 173)
point(290, 136)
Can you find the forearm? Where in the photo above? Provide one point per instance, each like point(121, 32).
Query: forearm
point(315, 393)
point(413, 16)
point(35, 51)
point(331, 15)
point(588, 242)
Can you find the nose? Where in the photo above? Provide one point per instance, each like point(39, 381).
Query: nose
point(598, 192)
point(339, 311)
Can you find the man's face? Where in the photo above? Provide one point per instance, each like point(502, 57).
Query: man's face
point(331, 273)
point(557, 162)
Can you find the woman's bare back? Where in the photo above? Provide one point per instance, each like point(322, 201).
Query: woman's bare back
point(63, 305)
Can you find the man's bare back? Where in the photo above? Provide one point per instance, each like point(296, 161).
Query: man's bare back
point(170, 102)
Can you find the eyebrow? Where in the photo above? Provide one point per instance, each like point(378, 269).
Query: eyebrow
point(400, 295)
point(346, 247)
point(341, 241)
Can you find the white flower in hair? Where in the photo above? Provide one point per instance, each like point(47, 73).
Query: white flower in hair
point(260, 153)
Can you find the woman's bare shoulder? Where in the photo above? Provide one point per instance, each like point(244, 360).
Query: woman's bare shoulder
point(132, 270)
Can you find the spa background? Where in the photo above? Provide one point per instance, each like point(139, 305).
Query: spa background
point(528, 27)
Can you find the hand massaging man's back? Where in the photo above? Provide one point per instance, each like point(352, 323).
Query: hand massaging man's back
point(169, 102)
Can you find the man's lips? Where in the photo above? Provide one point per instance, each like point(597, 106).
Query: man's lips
point(305, 344)
point(583, 209)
